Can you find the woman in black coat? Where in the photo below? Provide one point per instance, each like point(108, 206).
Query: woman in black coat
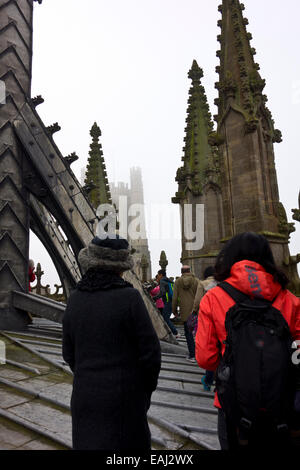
point(113, 350)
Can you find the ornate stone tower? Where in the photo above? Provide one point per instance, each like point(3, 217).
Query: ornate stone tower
point(198, 179)
point(246, 137)
point(96, 175)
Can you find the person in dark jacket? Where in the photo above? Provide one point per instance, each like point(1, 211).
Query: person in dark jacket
point(166, 298)
point(184, 294)
point(112, 348)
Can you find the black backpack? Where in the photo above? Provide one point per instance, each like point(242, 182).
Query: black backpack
point(255, 379)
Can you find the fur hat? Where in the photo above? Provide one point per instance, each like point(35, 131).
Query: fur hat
point(110, 254)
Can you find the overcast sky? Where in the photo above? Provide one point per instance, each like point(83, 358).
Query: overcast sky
point(124, 64)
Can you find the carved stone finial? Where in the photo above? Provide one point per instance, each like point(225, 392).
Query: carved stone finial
point(95, 132)
point(285, 228)
point(53, 128)
point(37, 100)
point(296, 212)
point(163, 262)
point(71, 158)
point(195, 73)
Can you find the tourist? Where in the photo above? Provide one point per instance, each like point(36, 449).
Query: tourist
point(204, 286)
point(166, 294)
point(154, 292)
point(112, 348)
point(246, 263)
point(31, 273)
point(184, 294)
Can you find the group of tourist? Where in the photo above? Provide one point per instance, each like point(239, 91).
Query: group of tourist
point(246, 324)
point(183, 299)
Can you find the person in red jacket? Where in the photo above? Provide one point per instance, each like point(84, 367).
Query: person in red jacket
point(240, 258)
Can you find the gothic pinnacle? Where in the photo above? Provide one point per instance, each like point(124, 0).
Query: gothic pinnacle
point(197, 148)
point(240, 83)
point(95, 132)
point(96, 171)
point(163, 262)
point(195, 73)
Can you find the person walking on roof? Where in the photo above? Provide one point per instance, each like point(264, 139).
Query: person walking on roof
point(204, 286)
point(113, 350)
point(166, 294)
point(184, 294)
point(257, 390)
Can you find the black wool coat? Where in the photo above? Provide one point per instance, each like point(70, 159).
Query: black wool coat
point(113, 350)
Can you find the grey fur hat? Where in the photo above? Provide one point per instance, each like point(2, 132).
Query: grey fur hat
point(108, 255)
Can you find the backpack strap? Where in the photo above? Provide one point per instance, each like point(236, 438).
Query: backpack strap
point(234, 293)
point(239, 296)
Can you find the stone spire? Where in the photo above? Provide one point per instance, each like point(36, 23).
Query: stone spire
point(96, 174)
point(240, 85)
point(198, 154)
point(199, 178)
point(245, 132)
point(246, 137)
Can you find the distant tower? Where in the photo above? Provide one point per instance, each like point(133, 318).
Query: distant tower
point(135, 195)
point(199, 177)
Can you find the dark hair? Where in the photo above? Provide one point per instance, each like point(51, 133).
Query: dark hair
point(163, 272)
point(248, 246)
point(208, 272)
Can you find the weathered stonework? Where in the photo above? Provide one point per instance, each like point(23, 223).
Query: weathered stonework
point(15, 72)
point(199, 177)
point(239, 184)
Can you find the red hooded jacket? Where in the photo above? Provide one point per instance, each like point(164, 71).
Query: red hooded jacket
point(253, 280)
point(31, 276)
